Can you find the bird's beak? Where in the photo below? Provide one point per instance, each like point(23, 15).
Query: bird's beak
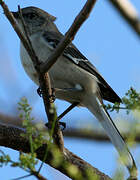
point(15, 14)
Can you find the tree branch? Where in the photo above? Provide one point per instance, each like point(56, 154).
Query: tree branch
point(96, 135)
point(129, 13)
point(11, 137)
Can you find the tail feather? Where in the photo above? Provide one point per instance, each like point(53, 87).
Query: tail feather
point(102, 115)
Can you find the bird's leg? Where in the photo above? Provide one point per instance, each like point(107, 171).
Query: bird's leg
point(67, 92)
point(39, 92)
point(63, 124)
point(73, 105)
point(65, 112)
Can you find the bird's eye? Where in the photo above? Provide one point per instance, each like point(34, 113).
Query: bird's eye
point(30, 15)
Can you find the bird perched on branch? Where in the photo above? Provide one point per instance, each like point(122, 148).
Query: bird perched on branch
point(73, 76)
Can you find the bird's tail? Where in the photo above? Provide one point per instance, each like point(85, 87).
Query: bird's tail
point(96, 107)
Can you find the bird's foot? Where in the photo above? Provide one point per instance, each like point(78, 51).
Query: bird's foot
point(63, 124)
point(39, 92)
point(52, 97)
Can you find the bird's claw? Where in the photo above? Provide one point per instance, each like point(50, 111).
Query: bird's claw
point(63, 124)
point(39, 92)
point(52, 97)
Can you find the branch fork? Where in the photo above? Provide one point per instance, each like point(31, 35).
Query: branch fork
point(45, 86)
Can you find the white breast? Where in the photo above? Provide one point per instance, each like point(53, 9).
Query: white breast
point(38, 46)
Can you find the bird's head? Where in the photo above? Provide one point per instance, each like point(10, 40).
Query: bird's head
point(34, 18)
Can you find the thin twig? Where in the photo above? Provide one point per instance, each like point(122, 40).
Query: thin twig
point(38, 176)
point(129, 13)
point(22, 177)
point(27, 36)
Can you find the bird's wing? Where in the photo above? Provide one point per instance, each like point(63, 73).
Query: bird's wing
point(76, 57)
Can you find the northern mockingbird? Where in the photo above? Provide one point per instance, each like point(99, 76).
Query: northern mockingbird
point(73, 76)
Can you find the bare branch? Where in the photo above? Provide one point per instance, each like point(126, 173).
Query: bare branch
point(11, 137)
point(129, 13)
point(86, 134)
point(96, 135)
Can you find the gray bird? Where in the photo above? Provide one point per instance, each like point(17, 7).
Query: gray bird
point(73, 76)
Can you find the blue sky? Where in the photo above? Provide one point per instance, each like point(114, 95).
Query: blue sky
point(106, 40)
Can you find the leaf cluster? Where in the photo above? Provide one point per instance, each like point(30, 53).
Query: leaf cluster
point(131, 101)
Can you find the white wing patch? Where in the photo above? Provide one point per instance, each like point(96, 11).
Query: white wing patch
point(78, 87)
point(75, 60)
